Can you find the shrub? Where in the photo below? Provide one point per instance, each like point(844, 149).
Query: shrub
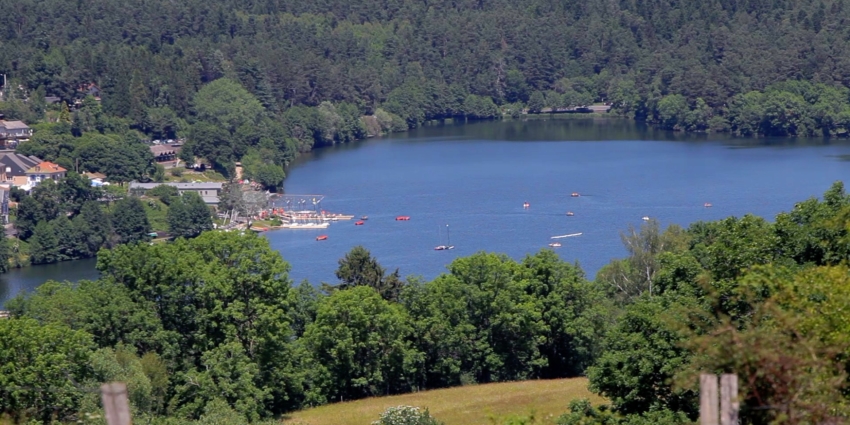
point(406, 415)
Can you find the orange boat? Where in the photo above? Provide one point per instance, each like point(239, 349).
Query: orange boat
point(321, 237)
point(358, 223)
point(402, 218)
point(575, 195)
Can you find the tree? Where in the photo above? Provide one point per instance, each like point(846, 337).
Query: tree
point(129, 220)
point(536, 102)
point(103, 309)
point(631, 277)
point(358, 268)
point(189, 216)
point(358, 343)
point(41, 366)
point(94, 228)
point(5, 254)
point(642, 354)
point(44, 244)
point(233, 303)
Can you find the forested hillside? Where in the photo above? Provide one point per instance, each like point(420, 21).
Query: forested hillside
point(712, 65)
point(213, 326)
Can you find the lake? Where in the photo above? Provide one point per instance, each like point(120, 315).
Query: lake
point(475, 178)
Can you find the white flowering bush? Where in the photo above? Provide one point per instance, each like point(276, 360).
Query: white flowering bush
point(406, 415)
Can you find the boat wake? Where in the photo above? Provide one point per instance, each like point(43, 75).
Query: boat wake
point(566, 236)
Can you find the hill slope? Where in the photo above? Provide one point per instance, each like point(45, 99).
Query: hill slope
point(467, 405)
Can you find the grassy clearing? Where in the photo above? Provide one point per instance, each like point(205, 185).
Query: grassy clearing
point(469, 405)
point(157, 213)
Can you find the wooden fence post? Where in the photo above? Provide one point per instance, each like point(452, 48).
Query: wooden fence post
point(708, 403)
point(116, 405)
point(729, 404)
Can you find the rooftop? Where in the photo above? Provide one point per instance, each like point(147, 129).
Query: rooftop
point(14, 125)
point(164, 149)
point(46, 167)
point(179, 186)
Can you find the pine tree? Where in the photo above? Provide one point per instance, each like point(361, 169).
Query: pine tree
point(44, 244)
point(130, 221)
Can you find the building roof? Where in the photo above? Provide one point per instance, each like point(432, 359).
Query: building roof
point(210, 199)
point(179, 186)
point(158, 150)
point(46, 167)
point(14, 125)
point(91, 176)
point(15, 164)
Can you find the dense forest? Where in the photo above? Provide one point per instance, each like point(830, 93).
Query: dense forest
point(268, 79)
point(213, 327)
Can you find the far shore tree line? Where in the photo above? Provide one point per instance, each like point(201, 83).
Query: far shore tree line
point(261, 83)
point(212, 327)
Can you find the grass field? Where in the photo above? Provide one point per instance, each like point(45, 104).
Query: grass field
point(469, 405)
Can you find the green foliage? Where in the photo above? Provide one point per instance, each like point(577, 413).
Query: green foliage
point(358, 268)
point(188, 216)
point(359, 344)
point(165, 192)
point(406, 415)
point(130, 221)
point(40, 365)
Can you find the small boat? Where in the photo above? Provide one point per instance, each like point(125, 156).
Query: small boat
point(645, 218)
point(322, 237)
point(554, 244)
point(448, 241)
point(575, 195)
point(402, 218)
point(566, 236)
point(570, 214)
point(707, 205)
point(526, 205)
point(364, 217)
point(358, 223)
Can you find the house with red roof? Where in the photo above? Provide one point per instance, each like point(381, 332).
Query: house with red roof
point(43, 171)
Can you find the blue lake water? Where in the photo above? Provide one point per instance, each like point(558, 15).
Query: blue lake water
point(475, 178)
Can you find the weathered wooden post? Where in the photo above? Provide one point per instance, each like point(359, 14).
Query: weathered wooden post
point(116, 405)
point(708, 403)
point(729, 404)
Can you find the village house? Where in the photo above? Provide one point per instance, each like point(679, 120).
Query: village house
point(14, 166)
point(209, 192)
point(12, 132)
point(97, 179)
point(165, 153)
point(44, 171)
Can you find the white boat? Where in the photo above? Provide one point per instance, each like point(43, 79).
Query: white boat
point(448, 241)
point(305, 225)
point(645, 218)
point(555, 244)
point(566, 236)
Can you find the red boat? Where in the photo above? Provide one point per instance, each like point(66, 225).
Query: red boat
point(402, 218)
point(321, 237)
point(358, 223)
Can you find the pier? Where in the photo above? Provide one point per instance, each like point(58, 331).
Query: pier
point(300, 212)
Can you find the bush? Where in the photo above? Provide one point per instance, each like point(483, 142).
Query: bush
point(165, 193)
point(176, 172)
point(406, 415)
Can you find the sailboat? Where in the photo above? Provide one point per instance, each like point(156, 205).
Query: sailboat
point(448, 241)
